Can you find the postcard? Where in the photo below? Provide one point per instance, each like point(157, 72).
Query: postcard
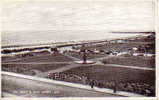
point(77, 48)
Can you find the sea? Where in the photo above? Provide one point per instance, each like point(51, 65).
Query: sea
point(11, 38)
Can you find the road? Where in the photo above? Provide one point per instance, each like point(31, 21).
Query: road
point(31, 88)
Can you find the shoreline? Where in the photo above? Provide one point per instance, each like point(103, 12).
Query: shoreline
point(69, 42)
point(20, 49)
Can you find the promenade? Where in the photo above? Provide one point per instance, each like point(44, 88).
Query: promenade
point(29, 86)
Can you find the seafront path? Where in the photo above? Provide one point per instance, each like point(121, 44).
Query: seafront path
point(31, 86)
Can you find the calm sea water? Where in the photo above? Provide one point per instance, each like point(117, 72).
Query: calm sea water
point(37, 37)
point(84, 18)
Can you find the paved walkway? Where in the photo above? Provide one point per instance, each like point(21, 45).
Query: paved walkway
point(47, 84)
point(98, 62)
point(65, 68)
point(132, 67)
point(68, 67)
point(6, 94)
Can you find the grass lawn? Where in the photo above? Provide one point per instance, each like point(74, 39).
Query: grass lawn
point(27, 68)
point(132, 80)
point(132, 61)
point(38, 59)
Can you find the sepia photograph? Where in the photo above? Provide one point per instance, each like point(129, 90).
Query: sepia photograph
point(78, 48)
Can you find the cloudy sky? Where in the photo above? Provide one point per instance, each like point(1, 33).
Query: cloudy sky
point(124, 15)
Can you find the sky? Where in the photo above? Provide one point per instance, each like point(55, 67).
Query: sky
point(110, 15)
